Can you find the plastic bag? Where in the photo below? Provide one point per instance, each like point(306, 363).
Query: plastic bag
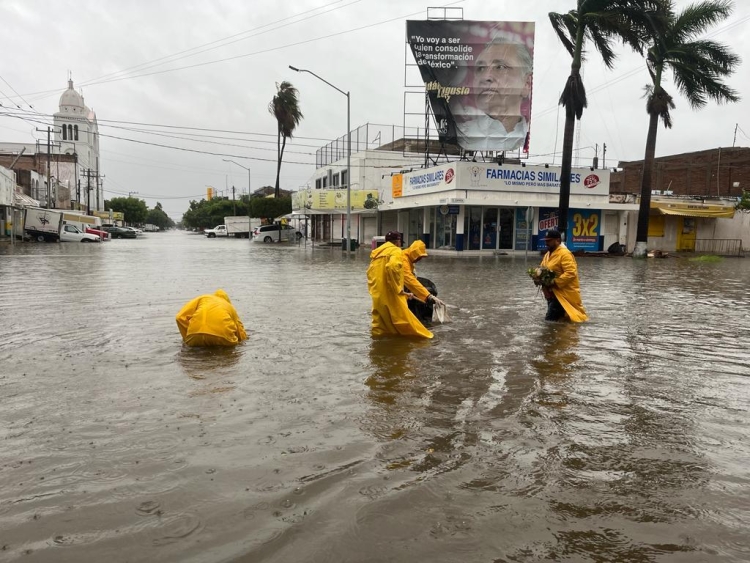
point(440, 313)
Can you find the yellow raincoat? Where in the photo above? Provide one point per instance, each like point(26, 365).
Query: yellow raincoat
point(565, 286)
point(410, 255)
point(385, 281)
point(210, 320)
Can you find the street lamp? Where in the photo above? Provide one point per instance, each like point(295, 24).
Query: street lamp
point(348, 156)
point(246, 168)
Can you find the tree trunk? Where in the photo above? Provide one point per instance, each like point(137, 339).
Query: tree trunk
point(567, 162)
point(278, 161)
point(277, 193)
point(645, 207)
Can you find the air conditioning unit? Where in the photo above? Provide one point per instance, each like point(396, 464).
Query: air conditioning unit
point(655, 192)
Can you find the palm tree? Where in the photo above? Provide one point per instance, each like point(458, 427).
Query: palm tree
point(285, 108)
point(698, 67)
point(600, 22)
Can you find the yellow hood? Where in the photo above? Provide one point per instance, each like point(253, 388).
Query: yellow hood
point(416, 250)
point(223, 294)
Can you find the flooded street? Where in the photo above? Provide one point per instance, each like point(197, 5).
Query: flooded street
point(503, 439)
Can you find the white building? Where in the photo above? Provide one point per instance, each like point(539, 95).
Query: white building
point(77, 132)
point(489, 207)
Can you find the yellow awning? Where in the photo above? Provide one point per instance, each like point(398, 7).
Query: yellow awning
point(693, 209)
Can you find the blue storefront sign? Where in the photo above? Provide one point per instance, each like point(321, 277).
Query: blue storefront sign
point(584, 226)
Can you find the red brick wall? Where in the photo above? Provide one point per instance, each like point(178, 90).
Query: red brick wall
point(691, 173)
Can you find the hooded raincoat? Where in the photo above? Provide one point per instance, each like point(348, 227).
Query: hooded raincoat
point(385, 281)
point(566, 287)
point(210, 320)
point(410, 256)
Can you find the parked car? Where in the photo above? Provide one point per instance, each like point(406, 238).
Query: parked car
point(119, 232)
point(276, 233)
point(138, 232)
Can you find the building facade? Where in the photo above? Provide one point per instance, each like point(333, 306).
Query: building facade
point(77, 133)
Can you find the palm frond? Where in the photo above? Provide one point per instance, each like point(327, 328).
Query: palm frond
point(603, 43)
point(659, 103)
point(696, 18)
point(573, 97)
point(561, 23)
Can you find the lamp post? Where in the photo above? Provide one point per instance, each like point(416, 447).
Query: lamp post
point(248, 173)
point(348, 157)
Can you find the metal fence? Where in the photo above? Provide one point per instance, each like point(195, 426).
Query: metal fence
point(370, 136)
point(719, 246)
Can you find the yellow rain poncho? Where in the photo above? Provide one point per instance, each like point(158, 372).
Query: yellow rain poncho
point(416, 251)
point(210, 320)
point(566, 287)
point(385, 281)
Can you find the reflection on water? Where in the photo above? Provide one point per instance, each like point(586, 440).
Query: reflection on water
point(202, 363)
point(505, 438)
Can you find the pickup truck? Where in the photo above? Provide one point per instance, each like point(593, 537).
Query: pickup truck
point(217, 231)
point(48, 225)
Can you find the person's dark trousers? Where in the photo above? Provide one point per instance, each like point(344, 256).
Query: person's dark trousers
point(555, 311)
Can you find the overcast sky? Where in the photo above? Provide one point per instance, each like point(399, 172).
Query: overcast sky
point(103, 40)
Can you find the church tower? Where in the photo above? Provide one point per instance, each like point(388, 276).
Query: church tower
point(77, 132)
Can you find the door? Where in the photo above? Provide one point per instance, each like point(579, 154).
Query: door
point(489, 229)
point(686, 234)
point(507, 225)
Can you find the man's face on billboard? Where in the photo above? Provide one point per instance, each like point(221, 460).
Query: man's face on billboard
point(501, 79)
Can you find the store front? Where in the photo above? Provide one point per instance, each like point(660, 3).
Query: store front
point(466, 206)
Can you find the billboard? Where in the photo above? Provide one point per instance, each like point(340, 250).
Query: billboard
point(584, 228)
point(334, 200)
point(478, 75)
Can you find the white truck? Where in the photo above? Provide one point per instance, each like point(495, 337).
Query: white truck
point(49, 225)
point(239, 227)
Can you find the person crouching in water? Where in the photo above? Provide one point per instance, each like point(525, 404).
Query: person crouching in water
point(422, 303)
point(564, 295)
point(385, 282)
point(210, 320)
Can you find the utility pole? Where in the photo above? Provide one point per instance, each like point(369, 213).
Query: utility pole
point(49, 166)
point(234, 203)
point(604, 156)
point(78, 193)
point(736, 126)
point(88, 191)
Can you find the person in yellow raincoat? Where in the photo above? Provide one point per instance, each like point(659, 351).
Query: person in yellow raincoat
point(385, 281)
point(210, 320)
point(411, 256)
point(564, 295)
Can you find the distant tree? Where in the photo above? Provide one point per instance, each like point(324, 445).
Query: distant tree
point(207, 214)
point(157, 216)
point(699, 67)
point(270, 207)
point(601, 22)
point(134, 209)
point(744, 203)
point(285, 108)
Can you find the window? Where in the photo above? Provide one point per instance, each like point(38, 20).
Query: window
point(65, 133)
point(325, 182)
point(76, 132)
point(335, 180)
point(344, 179)
point(318, 183)
point(70, 132)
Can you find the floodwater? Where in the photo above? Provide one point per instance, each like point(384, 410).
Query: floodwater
point(503, 439)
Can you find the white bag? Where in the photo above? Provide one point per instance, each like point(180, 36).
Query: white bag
point(440, 313)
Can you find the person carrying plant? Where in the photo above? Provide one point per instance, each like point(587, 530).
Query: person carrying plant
point(563, 291)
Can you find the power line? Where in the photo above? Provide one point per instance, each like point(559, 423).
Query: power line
point(304, 42)
point(199, 49)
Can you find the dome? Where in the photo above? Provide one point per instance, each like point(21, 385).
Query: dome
point(71, 100)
